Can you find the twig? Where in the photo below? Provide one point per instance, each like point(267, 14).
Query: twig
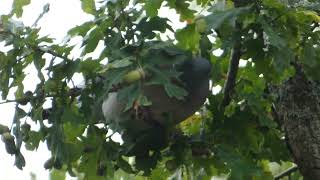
point(8, 101)
point(44, 11)
point(53, 53)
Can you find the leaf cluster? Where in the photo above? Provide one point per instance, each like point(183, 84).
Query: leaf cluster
point(237, 141)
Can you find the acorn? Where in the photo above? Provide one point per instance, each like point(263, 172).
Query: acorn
point(133, 76)
point(7, 137)
point(4, 129)
point(8, 140)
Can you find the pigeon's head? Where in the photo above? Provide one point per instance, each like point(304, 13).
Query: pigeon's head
point(194, 72)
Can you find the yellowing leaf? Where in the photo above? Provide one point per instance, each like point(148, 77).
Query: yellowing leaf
point(312, 14)
point(191, 125)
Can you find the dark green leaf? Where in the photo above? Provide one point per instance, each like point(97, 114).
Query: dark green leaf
point(89, 67)
point(129, 95)
point(147, 26)
point(123, 164)
point(81, 30)
point(33, 141)
point(19, 161)
point(164, 77)
point(182, 7)
point(175, 91)
point(273, 36)
point(217, 18)
point(91, 40)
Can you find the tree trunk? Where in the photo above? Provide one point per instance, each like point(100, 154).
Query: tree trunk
point(298, 108)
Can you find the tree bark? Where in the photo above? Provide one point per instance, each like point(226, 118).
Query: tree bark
point(298, 108)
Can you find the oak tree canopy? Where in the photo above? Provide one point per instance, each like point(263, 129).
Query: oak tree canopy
point(266, 112)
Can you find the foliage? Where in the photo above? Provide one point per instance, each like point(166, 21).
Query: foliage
point(237, 141)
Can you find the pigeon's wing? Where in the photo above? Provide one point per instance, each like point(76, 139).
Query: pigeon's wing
point(165, 109)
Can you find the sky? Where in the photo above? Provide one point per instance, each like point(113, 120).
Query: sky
point(63, 15)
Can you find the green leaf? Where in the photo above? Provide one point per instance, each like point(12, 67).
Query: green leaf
point(273, 36)
point(164, 77)
point(91, 41)
point(51, 86)
point(89, 67)
point(34, 140)
point(72, 151)
point(19, 162)
point(175, 91)
point(203, 2)
point(57, 174)
point(18, 5)
point(88, 166)
point(147, 26)
point(115, 76)
point(310, 59)
point(129, 95)
point(282, 59)
point(274, 4)
point(144, 101)
point(88, 6)
point(81, 30)
point(124, 165)
point(192, 125)
point(5, 72)
point(241, 167)
point(217, 18)
point(122, 62)
point(182, 7)
point(188, 38)
point(72, 131)
point(20, 113)
point(152, 6)
point(65, 69)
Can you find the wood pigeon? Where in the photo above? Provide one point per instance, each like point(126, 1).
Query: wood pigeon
point(164, 110)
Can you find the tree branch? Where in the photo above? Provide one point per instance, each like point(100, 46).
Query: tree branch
point(8, 101)
point(53, 53)
point(233, 68)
